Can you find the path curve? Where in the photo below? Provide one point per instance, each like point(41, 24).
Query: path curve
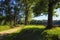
point(13, 30)
point(10, 30)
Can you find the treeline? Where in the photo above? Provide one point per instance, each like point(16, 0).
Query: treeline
point(40, 22)
point(44, 22)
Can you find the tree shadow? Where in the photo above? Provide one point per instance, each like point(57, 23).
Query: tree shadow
point(31, 34)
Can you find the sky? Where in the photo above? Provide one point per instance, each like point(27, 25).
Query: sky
point(44, 17)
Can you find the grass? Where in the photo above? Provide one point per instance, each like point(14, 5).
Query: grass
point(34, 26)
point(7, 27)
point(35, 32)
point(4, 27)
point(55, 31)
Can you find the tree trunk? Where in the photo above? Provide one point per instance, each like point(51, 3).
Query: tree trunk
point(14, 19)
point(50, 16)
point(11, 22)
point(26, 17)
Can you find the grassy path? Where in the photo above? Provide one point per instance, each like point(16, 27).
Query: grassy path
point(13, 30)
point(10, 30)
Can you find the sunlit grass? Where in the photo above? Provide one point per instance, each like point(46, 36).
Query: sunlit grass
point(55, 31)
point(34, 26)
point(4, 27)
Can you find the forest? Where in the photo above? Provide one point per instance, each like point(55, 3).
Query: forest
point(17, 23)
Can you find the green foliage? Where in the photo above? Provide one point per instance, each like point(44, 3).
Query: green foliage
point(41, 7)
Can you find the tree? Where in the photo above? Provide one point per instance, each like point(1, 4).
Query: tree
point(28, 4)
point(5, 5)
point(1, 11)
point(51, 5)
point(16, 7)
point(48, 6)
point(11, 15)
point(42, 7)
point(50, 12)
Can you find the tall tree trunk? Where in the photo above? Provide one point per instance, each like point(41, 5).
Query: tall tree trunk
point(14, 19)
point(26, 12)
point(11, 22)
point(50, 15)
point(26, 17)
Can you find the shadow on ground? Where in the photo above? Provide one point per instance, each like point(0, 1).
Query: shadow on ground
point(31, 34)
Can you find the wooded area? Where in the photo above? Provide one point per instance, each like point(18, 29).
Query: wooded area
point(15, 13)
